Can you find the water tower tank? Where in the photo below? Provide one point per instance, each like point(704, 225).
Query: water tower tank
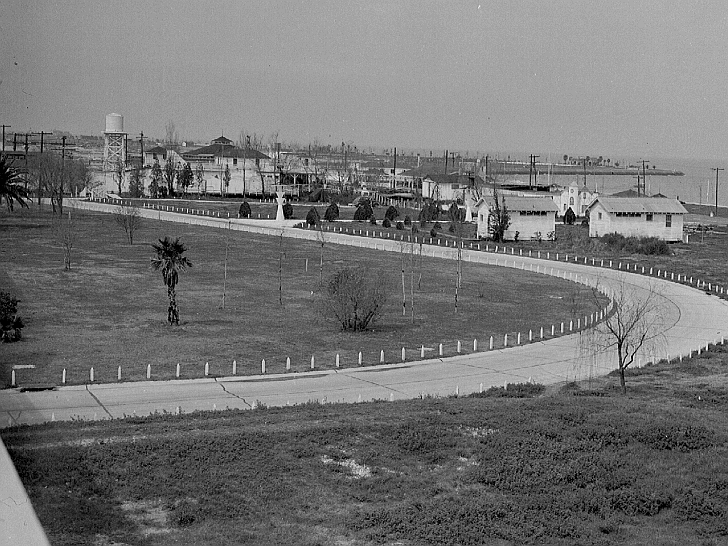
point(114, 123)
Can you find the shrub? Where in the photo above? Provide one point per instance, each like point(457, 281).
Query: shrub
point(415, 229)
point(391, 213)
point(10, 323)
point(569, 216)
point(313, 218)
point(407, 221)
point(373, 220)
point(354, 298)
point(433, 233)
point(616, 242)
point(437, 226)
point(287, 211)
point(332, 212)
point(386, 223)
point(451, 228)
point(400, 225)
point(244, 210)
point(363, 211)
point(428, 213)
point(514, 390)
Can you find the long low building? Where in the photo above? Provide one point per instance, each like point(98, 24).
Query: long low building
point(637, 217)
point(531, 218)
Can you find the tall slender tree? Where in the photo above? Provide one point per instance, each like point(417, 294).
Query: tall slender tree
point(168, 258)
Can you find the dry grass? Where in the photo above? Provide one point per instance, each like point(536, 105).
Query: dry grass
point(110, 308)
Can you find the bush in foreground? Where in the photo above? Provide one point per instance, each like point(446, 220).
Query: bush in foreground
point(354, 299)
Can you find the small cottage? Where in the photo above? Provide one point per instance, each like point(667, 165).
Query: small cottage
point(532, 218)
point(637, 217)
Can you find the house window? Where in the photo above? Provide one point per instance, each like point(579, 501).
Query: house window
point(600, 215)
point(235, 160)
point(571, 200)
point(564, 206)
point(154, 156)
point(668, 220)
point(649, 217)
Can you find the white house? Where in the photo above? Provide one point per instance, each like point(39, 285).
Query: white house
point(637, 216)
point(450, 187)
point(531, 217)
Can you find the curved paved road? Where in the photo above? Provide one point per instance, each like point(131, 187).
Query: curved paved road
point(691, 319)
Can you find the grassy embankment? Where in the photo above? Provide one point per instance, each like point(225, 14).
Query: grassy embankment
point(572, 465)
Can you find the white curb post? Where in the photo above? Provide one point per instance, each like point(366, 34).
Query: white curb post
point(459, 347)
point(207, 369)
point(262, 366)
point(313, 362)
point(63, 377)
point(403, 354)
point(337, 360)
point(149, 371)
point(422, 352)
point(12, 379)
point(235, 367)
point(518, 338)
point(118, 373)
point(505, 340)
point(541, 332)
point(441, 353)
point(490, 347)
point(178, 370)
point(360, 359)
point(288, 363)
point(91, 375)
point(381, 356)
point(475, 345)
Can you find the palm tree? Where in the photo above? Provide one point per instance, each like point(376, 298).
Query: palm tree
point(170, 260)
point(10, 188)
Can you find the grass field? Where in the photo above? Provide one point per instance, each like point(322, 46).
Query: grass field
point(572, 464)
point(110, 308)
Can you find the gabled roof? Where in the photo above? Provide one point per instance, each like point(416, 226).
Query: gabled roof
point(523, 204)
point(157, 150)
point(639, 204)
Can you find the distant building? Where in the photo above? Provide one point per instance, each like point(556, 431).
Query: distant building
point(531, 217)
point(575, 198)
point(450, 187)
point(637, 217)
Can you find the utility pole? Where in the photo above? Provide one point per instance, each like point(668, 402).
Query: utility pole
point(716, 169)
point(532, 169)
point(4, 127)
point(141, 145)
point(394, 171)
point(41, 139)
point(63, 148)
point(644, 179)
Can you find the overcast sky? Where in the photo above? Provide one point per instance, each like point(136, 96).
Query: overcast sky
point(593, 77)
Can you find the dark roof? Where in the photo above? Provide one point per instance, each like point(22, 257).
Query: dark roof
point(222, 140)
point(218, 150)
point(455, 178)
point(157, 150)
point(626, 193)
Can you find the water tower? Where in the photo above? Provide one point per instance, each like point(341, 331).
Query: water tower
point(114, 141)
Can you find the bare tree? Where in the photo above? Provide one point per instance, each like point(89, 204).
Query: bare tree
point(171, 136)
point(128, 218)
point(53, 178)
point(200, 179)
point(66, 233)
point(354, 298)
point(499, 218)
point(119, 167)
point(170, 173)
point(633, 326)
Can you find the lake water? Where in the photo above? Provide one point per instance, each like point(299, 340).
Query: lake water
point(696, 186)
